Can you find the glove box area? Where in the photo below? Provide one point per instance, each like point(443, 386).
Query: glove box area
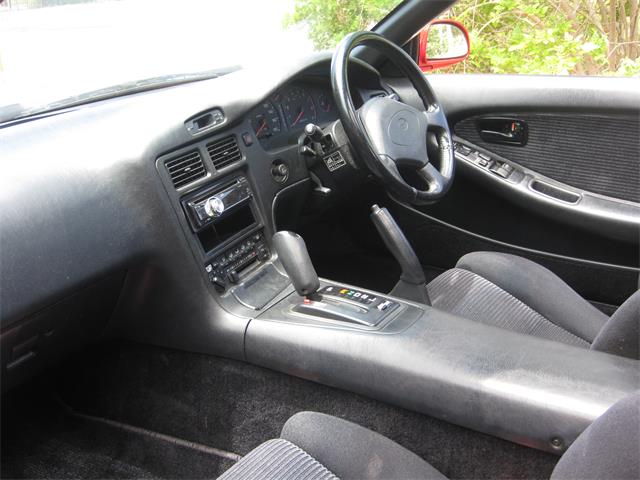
point(32, 344)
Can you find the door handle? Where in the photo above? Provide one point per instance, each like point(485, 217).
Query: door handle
point(506, 130)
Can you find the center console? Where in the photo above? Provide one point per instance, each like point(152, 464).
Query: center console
point(224, 219)
point(523, 388)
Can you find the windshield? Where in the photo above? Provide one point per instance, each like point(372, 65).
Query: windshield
point(58, 50)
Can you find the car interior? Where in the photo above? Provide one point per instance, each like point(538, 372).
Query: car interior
point(333, 267)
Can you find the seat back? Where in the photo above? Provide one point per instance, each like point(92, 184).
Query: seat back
point(621, 334)
point(609, 448)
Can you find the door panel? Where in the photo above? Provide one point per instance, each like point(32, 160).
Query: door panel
point(582, 140)
point(594, 153)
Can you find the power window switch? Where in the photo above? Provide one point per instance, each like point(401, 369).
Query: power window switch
point(463, 149)
point(502, 169)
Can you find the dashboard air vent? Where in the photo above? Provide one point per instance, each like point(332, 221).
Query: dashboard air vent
point(224, 152)
point(186, 168)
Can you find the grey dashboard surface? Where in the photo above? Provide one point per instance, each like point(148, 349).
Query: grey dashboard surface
point(81, 197)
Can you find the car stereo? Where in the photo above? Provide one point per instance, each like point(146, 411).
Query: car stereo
point(220, 213)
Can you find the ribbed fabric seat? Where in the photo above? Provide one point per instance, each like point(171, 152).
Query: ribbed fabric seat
point(278, 460)
point(471, 296)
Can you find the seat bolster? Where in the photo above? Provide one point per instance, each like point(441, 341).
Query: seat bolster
point(608, 448)
point(352, 451)
point(621, 334)
point(538, 288)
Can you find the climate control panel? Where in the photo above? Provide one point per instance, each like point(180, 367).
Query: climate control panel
point(226, 269)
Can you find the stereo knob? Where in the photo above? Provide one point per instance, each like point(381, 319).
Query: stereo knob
point(218, 284)
point(233, 276)
point(214, 207)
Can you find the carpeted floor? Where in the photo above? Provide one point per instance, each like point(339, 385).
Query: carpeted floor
point(231, 406)
point(40, 440)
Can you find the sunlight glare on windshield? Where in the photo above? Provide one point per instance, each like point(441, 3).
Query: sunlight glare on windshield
point(51, 53)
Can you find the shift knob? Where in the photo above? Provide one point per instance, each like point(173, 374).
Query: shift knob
point(294, 256)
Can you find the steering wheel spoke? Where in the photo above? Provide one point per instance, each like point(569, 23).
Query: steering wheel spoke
point(390, 166)
point(437, 118)
point(433, 178)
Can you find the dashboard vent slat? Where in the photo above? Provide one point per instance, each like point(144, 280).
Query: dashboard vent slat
point(224, 152)
point(185, 168)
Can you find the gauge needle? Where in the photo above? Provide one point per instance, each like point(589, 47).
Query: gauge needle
point(298, 117)
point(262, 126)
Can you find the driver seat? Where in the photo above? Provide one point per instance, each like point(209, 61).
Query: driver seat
point(514, 293)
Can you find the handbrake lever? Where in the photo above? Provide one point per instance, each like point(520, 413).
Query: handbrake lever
point(412, 284)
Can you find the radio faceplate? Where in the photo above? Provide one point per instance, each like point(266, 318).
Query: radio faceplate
point(214, 203)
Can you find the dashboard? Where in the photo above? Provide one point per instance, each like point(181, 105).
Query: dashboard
point(105, 234)
point(284, 114)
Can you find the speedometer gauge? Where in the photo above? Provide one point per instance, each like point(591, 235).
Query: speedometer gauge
point(266, 121)
point(298, 108)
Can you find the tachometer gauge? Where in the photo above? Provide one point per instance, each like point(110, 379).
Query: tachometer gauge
point(298, 108)
point(266, 121)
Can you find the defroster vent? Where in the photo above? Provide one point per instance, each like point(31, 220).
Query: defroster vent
point(224, 152)
point(186, 168)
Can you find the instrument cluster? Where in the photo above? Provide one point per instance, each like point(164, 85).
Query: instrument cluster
point(284, 114)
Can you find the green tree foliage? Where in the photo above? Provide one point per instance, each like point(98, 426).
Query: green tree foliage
point(330, 20)
point(584, 37)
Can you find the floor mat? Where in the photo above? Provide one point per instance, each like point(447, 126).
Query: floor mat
point(40, 440)
point(235, 406)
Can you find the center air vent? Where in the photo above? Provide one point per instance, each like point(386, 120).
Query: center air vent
point(224, 152)
point(186, 168)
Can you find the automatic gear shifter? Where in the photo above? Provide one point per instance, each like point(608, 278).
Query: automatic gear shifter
point(294, 256)
point(337, 303)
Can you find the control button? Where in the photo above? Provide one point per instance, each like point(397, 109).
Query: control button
point(384, 305)
point(233, 276)
point(463, 149)
point(502, 169)
point(208, 268)
point(482, 162)
point(214, 207)
point(247, 139)
point(218, 284)
point(484, 156)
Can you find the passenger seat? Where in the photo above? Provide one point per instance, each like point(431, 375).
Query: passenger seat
point(321, 447)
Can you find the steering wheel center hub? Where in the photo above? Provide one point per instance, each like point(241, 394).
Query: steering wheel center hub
point(404, 128)
point(396, 130)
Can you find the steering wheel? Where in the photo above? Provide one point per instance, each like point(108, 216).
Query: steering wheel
point(386, 133)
